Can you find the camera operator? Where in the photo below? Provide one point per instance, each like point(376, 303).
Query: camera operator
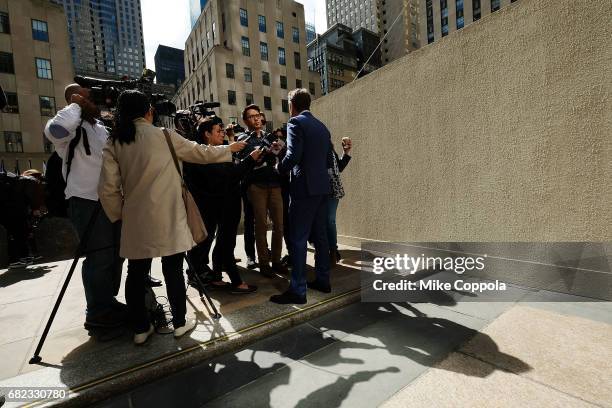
point(263, 194)
point(216, 189)
point(79, 137)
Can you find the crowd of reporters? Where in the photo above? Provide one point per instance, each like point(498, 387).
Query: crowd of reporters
point(130, 173)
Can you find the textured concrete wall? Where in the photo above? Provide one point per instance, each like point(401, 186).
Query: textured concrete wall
point(499, 132)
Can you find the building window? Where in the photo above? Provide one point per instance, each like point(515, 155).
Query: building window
point(246, 47)
point(281, 56)
point(47, 106)
point(229, 70)
point(444, 16)
point(43, 68)
point(231, 97)
point(5, 25)
point(280, 30)
point(285, 105)
point(295, 34)
point(265, 78)
point(248, 75)
point(311, 88)
point(263, 50)
point(12, 103)
point(430, 21)
point(297, 61)
point(267, 103)
point(298, 83)
point(494, 5)
point(6, 63)
point(249, 99)
point(460, 19)
point(283, 82)
point(244, 18)
point(476, 9)
point(40, 30)
point(262, 23)
point(13, 143)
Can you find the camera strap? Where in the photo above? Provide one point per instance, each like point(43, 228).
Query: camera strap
point(80, 132)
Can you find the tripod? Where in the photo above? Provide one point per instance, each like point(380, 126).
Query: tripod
point(80, 251)
point(202, 290)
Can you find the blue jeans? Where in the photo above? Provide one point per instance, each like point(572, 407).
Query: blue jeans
point(101, 271)
point(332, 232)
point(307, 219)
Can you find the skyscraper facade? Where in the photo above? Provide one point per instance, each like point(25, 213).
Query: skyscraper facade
point(242, 52)
point(407, 25)
point(169, 66)
point(353, 13)
point(106, 37)
point(195, 9)
point(35, 67)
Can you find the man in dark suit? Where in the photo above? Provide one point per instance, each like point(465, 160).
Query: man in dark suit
point(308, 150)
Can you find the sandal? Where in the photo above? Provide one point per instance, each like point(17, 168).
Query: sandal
point(240, 291)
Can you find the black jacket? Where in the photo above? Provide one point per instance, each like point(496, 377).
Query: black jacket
point(216, 181)
point(264, 173)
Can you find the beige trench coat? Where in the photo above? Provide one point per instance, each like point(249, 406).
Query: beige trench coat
point(139, 185)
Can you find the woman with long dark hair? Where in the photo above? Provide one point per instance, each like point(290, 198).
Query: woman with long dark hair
point(141, 186)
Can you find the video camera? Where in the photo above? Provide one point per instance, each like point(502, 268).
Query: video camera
point(105, 92)
point(187, 120)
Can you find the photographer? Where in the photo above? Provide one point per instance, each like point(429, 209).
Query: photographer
point(263, 190)
point(216, 189)
point(79, 137)
point(141, 185)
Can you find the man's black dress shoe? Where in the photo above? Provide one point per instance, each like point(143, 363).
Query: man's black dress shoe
point(288, 298)
point(321, 287)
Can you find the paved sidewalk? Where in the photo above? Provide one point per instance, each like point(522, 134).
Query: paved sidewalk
point(458, 354)
point(72, 358)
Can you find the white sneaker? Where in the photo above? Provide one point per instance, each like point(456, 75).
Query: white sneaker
point(189, 325)
point(140, 338)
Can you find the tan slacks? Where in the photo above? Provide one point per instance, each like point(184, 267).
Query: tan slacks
point(267, 200)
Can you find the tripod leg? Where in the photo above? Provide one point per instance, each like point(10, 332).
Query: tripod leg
point(202, 290)
point(79, 251)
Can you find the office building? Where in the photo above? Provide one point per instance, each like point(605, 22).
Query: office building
point(106, 37)
point(340, 55)
point(169, 66)
point(35, 66)
point(240, 53)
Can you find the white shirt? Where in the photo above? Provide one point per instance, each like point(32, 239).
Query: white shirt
point(84, 169)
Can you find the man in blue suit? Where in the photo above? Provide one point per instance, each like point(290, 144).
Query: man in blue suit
point(308, 150)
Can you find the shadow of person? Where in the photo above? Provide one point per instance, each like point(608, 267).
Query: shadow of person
point(205, 383)
point(15, 275)
point(333, 394)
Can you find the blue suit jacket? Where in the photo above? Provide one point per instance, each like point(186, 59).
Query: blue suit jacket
point(308, 149)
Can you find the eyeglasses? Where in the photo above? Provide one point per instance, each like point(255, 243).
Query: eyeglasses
point(254, 116)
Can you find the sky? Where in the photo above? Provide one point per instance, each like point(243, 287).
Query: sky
point(167, 22)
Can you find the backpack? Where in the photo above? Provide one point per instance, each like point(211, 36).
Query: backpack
point(56, 184)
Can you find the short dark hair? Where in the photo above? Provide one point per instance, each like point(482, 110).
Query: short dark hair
point(207, 125)
point(248, 108)
point(300, 99)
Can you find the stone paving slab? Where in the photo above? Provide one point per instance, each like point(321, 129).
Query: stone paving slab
point(74, 359)
point(462, 381)
point(567, 353)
